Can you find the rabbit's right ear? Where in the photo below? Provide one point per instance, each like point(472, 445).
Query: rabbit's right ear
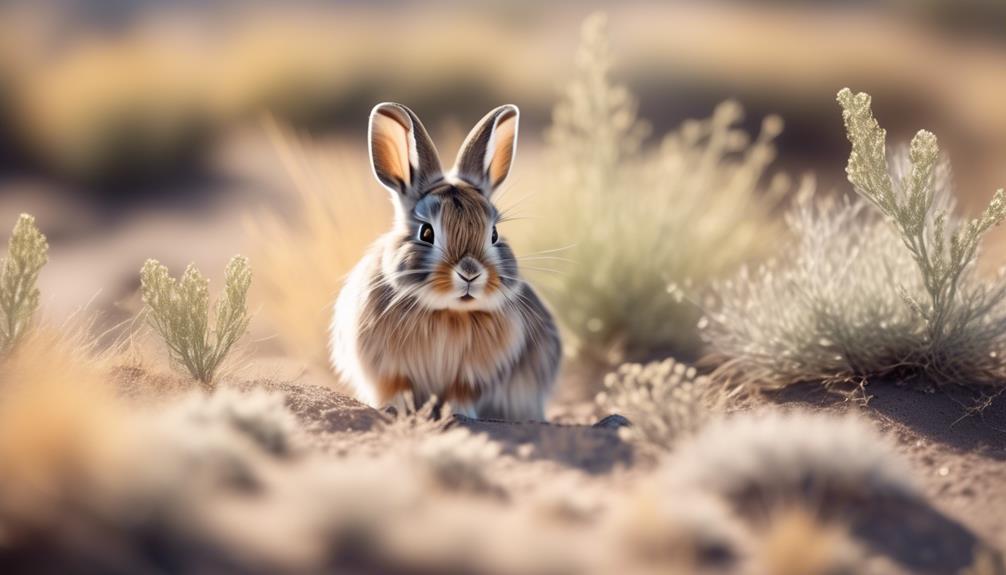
point(401, 152)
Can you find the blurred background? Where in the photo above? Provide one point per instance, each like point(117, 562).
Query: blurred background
point(189, 131)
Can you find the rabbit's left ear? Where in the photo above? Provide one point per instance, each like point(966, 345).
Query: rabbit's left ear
point(489, 149)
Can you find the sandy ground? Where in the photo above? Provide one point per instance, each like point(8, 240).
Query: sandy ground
point(958, 462)
point(960, 457)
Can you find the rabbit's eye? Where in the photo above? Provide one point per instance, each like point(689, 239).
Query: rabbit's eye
point(496, 236)
point(426, 233)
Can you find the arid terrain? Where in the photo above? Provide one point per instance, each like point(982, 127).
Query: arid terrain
point(783, 348)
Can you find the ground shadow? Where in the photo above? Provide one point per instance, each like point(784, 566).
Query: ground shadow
point(947, 416)
point(917, 536)
point(593, 449)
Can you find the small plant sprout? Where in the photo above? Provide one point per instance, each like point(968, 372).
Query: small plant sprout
point(27, 253)
point(180, 312)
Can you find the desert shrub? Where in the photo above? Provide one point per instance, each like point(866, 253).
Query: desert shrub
point(690, 532)
point(825, 310)
point(27, 253)
point(454, 459)
point(884, 286)
point(224, 440)
point(301, 263)
point(664, 401)
point(179, 310)
point(637, 220)
point(767, 461)
point(798, 542)
point(260, 416)
point(459, 460)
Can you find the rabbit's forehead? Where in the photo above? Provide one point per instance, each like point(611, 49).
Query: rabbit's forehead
point(455, 207)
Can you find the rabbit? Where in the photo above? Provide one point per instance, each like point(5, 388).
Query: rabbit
point(437, 306)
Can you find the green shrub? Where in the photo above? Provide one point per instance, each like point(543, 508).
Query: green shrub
point(865, 293)
point(27, 253)
point(638, 220)
point(179, 311)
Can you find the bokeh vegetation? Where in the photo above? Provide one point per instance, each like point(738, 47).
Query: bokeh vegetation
point(302, 259)
point(628, 228)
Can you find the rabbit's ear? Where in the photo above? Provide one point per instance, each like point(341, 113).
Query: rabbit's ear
point(489, 149)
point(402, 154)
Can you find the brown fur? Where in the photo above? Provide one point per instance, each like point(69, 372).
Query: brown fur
point(466, 222)
point(390, 386)
point(462, 392)
point(482, 337)
point(442, 279)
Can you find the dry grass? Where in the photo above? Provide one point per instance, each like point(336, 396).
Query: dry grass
point(688, 532)
point(301, 263)
point(61, 431)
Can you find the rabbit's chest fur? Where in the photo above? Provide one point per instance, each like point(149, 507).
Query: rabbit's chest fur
point(434, 349)
point(389, 342)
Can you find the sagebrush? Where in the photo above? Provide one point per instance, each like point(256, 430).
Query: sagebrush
point(762, 460)
point(664, 400)
point(179, 310)
point(885, 286)
point(620, 222)
point(27, 254)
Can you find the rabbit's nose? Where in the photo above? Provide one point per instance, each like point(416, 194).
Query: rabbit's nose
point(467, 278)
point(468, 267)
